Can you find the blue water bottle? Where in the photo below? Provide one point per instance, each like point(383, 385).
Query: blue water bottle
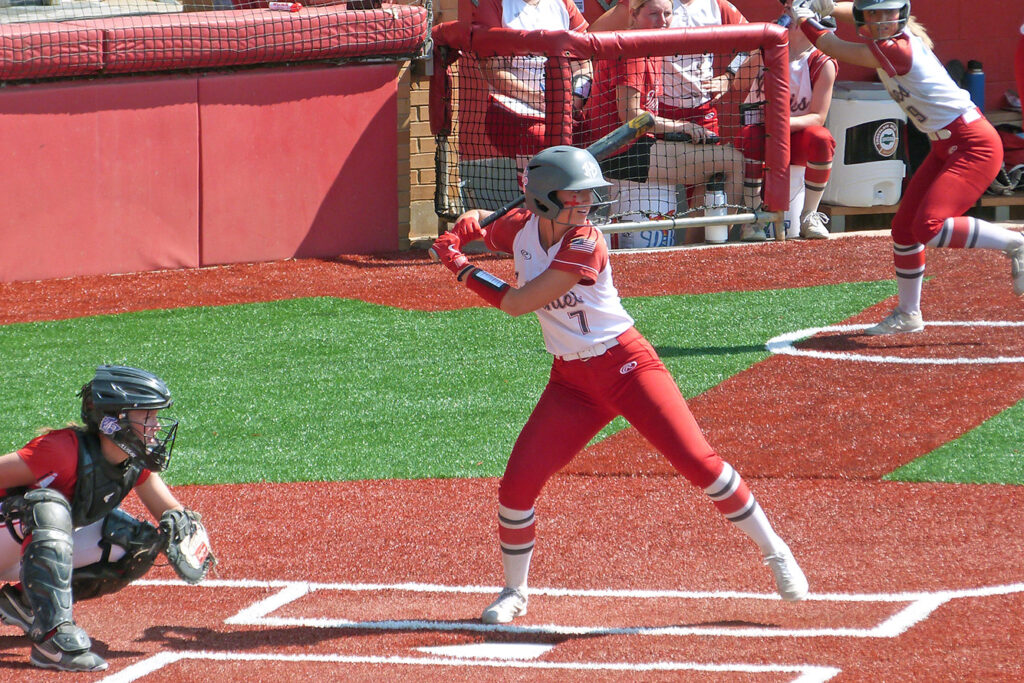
point(974, 83)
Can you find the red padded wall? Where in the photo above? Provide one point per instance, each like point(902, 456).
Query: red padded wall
point(299, 162)
point(98, 177)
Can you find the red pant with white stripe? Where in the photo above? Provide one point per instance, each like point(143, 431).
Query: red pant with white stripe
point(955, 173)
point(582, 396)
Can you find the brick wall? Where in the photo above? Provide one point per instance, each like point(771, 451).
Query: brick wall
point(416, 146)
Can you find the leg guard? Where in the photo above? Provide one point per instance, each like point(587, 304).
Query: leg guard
point(141, 544)
point(46, 560)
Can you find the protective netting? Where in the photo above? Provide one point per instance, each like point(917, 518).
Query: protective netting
point(499, 96)
point(67, 38)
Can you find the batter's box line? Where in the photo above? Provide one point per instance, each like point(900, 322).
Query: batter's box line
point(920, 607)
point(805, 673)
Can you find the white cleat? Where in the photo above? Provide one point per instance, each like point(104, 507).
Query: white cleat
point(789, 578)
point(1016, 256)
point(896, 323)
point(812, 226)
point(509, 605)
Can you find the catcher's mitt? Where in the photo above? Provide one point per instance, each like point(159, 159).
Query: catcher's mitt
point(188, 545)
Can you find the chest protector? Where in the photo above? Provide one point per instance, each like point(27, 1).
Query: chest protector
point(100, 486)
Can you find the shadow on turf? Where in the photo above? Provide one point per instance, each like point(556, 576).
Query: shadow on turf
point(198, 638)
point(685, 351)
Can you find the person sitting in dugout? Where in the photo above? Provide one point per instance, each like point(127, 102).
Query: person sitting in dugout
point(68, 540)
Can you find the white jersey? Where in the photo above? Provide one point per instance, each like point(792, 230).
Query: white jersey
point(917, 81)
point(591, 312)
point(800, 90)
point(683, 73)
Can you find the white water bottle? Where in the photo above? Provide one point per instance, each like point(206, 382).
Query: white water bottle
point(715, 201)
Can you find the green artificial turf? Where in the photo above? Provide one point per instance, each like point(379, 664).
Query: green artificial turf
point(991, 454)
point(332, 389)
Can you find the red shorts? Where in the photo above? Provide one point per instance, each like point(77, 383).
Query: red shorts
point(705, 115)
point(512, 134)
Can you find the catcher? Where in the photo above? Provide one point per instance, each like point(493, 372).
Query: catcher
point(67, 539)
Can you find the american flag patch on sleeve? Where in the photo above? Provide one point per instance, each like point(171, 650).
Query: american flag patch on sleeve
point(584, 244)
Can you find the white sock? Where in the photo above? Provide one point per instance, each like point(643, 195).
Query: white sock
point(729, 492)
point(515, 558)
point(973, 233)
point(812, 199)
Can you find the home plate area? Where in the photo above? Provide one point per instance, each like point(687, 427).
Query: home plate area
point(335, 631)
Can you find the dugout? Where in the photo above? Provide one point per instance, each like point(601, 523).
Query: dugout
point(180, 139)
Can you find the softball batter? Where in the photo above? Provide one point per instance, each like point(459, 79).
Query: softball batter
point(965, 156)
point(603, 367)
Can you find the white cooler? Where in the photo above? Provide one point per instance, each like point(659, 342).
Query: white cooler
point(869, 129)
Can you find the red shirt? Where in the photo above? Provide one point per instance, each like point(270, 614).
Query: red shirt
point(53, 459)
point(601, 113)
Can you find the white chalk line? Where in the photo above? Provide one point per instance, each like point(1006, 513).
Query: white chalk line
point(922, 604)
point(783, 345)
point(806, 673)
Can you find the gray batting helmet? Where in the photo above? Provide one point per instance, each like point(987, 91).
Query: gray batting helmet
point(116, 389)
point(559, 168)
point(860, 6)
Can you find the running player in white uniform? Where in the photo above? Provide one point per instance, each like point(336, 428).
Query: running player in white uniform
point(603, 367)
point(965, 155)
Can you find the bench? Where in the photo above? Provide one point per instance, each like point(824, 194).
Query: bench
point(837, 214)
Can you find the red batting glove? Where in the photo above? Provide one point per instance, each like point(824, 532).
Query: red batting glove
point(446, 247)
point(468, 229)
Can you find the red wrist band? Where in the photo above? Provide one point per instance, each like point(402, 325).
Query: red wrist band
point(813, 29)
point(488, 287)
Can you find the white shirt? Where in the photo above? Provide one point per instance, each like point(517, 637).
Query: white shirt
point(917, 81)
point(587, 314)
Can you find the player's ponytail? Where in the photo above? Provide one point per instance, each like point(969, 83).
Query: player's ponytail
point(915, 27)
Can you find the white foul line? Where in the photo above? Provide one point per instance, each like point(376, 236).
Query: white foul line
point(783, 345)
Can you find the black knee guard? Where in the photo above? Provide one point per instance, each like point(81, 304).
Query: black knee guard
point(141, 543)
point(46, 560)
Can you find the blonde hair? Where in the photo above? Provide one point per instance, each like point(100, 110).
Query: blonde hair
point(634, 7)
point(915, 27)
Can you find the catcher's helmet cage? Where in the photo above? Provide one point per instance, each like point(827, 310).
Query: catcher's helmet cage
point(861, 6)
point(559, 168)
point(106, 400)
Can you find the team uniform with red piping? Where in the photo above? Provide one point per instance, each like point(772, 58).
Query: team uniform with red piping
point(965, 156)
point(813, 146)
point(966, 152)
point(53, 459)
point(603, 367)
point(685, 98)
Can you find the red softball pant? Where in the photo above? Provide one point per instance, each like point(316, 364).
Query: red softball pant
point(582, 396)
point(813, 144)
point(949, 181)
